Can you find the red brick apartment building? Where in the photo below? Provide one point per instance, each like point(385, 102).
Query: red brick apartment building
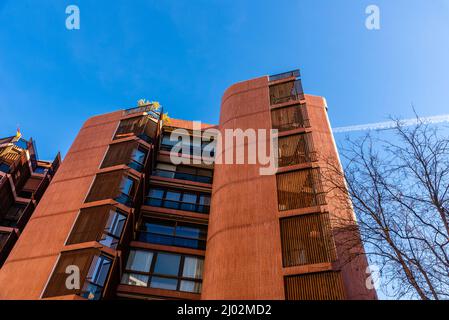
point(23, 181)
point(139, 227)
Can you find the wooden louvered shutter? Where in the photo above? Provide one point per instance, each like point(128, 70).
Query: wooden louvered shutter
point(307, 240)
point(119, 153)
point(57, 285)
point(106, 186)
point(315, 286)
point(90, 225)
point(296, 149)
point(129, 127)
point(290, 118)
point(300, 189)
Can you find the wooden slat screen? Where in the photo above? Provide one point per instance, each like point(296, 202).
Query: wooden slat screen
point(119, 153)
point(287, 91)
point(57, 285)
point(290, 118)
point(106, 186)
point(89, 225)
point(307, 240)
point(300, 189)
point(296, 149)
point(132, 126)
point(315, 286)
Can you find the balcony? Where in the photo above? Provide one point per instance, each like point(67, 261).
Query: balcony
point(179, 200)
point(286, 92)
point(182, 176)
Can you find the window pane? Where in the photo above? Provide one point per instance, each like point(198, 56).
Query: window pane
point(165, 166)
point(160, 227)
point(187, 231)
point(167, 264)
point(139, 155)
point(127, 184)
point(205, 200)
point(139, 260)
point(133, 279)
point(190, 286)
point(157, 193)
point(189, 198)
point(115, 223)
point(173, 196)
point(99, 270)
point(164, 283)
point(193, 268)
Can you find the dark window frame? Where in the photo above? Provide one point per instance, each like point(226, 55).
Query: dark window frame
point(179, 203)
point(179, 277)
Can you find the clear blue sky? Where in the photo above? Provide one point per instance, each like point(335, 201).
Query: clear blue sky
point(186, 53)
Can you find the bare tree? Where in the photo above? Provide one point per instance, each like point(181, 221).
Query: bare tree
point(399, 191)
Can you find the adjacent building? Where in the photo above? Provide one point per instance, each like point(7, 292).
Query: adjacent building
point(122, 220)
point(23, 181)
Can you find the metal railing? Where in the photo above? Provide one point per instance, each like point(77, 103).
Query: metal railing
point(294, 73)
point(149, 109)
point(182, 176)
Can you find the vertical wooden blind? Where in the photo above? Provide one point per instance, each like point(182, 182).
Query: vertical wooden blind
point(57, 285)
point(287, 91)
point(296, 149)
point(106, 186)
point(290, 118)
point(119, 153)
point(132, 126)
point(307, 240)
point(300, 189)
point(315, 286)
point(90, 225)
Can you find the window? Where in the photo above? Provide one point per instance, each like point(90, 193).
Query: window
point(296, 149)
point(286, 91)
point(103, 224)
point(13, 215)
point(191, 147)
point(4, 167)
point(300, 189)
point(173, 233)
point(113, 229)
point(182, 172)
point(179, 200)
point(40, 170)
point(307, 239)
point(127, 190)
point(142, 127)
point(315, 286)
point(290, 118)
point(138, 159)
point(161, 270)
point(96, 278)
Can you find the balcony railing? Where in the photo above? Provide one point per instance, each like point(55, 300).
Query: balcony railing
point(182, 176)
point(175, 241)
point(177, 205)
point(149, 109)
point(289, 74)
point(285, 92)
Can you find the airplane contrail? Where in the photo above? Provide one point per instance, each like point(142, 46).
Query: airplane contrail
point(391, 124)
